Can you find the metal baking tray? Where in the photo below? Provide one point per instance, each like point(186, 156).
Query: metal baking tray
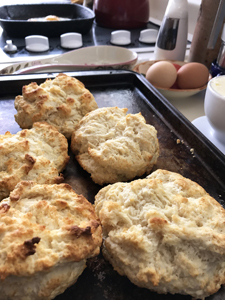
point(183, 149)
point(13, 19)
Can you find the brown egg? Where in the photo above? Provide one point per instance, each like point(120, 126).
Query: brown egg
point(162, 74)
point(192, 75)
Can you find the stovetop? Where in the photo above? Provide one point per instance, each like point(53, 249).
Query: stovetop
point(96, 36)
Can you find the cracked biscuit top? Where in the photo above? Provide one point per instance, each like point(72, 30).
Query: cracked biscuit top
point(61, 102)
point(114, 146)
point(43, 225)
point(37, 154)
point(165, 233)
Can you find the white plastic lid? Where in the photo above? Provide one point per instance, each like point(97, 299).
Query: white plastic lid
point(36, 43)
point(71, 40)
point(148, 36)
point(120, 37)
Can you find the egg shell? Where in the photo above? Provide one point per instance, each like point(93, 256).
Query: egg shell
point(162, 74)
point(192, 75)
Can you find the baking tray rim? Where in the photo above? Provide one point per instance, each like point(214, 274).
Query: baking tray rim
point(10, 79)
point(213, 151)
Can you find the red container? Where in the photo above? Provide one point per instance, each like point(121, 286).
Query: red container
point(121, 14)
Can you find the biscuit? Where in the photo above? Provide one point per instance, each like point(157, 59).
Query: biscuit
point(37, 154)
point(165, 233)
point(47, 234)
point(61, 102)
point(113, 146)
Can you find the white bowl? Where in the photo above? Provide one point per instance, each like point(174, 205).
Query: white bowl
point(214, 106)
point(87, 58)
point(168, 93)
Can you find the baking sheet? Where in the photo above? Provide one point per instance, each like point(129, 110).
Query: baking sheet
point(13, 19)
point(183, 149)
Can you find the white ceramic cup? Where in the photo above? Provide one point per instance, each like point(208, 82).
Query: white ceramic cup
point(214, 106)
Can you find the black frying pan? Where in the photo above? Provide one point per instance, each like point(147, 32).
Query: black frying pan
point(13, 19)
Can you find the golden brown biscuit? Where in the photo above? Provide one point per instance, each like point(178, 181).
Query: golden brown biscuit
point(165, 233)
point(113, 146)
point(47, 234)
point(61, 102)
point(37, 154)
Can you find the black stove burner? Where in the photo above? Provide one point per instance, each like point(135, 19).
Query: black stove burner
point(97, 36)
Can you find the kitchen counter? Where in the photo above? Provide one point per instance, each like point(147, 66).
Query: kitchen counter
point(191, 107)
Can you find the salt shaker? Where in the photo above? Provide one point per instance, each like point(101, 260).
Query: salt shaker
point(172, 38)
point(214, 106)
